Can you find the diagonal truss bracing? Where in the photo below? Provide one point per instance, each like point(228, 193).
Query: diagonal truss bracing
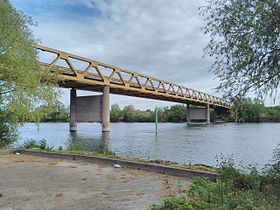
point(86, 74)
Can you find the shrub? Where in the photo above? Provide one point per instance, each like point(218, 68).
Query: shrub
point(234, 189)
point(74, 146)
point(33, 144)
point(29, 144)
point(7, 133)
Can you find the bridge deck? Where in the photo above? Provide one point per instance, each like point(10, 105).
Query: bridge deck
point(95, 75)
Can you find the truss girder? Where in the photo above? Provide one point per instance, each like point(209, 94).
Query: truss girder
point(95, 73)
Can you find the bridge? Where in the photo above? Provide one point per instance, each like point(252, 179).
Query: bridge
point(81, 73)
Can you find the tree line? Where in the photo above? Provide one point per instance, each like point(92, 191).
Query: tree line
point(175, 113)
point(243, 110)
point(253, 110)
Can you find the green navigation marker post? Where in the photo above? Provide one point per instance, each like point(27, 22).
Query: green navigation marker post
point(156, 112)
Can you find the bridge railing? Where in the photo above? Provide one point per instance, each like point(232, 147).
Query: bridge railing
point(103, 74)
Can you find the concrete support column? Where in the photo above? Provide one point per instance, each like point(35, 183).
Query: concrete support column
point(188, 114)
point(105, 142)
point(207, 114)
point(106, 109)
point(215, 116)
point(73, 109)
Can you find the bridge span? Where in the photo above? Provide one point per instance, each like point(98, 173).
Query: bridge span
point(81, 73)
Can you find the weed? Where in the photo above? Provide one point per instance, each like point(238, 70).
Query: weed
point(33, 144)
point(234, 189)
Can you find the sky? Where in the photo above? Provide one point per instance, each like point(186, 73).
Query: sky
point(160, 38)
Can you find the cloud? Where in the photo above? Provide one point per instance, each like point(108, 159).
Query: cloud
point(161, 38)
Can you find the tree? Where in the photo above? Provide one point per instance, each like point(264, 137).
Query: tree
point(144, 116)
point(245, 44)
point(21, 89)
point(177, 113)
point(248, 110)
point(129, 114)
point(7, 129)
point(116, 113)
point(273, 114)
point(59, 114)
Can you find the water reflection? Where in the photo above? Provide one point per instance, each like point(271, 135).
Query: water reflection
point(97, 143)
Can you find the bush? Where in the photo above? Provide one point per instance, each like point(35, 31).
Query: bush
point(8, 130)
point(7, 134)
point(29, 144)
point(234, 189)
point(74, 146)
point(33, 144)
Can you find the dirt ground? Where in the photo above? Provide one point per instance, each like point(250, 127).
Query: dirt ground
point(30, 182)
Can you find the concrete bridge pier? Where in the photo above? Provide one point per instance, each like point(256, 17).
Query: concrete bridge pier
point(198, 114)
point(106, 109)
point(73, 110)
point(90, 109)
point(188, 114)
point(207, 113)
point(214, 115)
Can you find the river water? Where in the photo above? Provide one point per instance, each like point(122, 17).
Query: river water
point(250, 143)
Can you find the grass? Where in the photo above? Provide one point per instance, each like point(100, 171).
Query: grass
point(33, 144)
point(246, 189)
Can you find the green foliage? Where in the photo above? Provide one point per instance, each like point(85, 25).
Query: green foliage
point(272, 174)
point(116, 113)
point(7, 130)
point(33, 144)
point(23, 96)
point(234, 189)
point(29, 144)
point(272, 114)
point(59, 113)
point(130, 114)
point(176, 113)
point(248, 110)
point(80, 145)
point(74, 146)
point(181, 203)
point(244, 42)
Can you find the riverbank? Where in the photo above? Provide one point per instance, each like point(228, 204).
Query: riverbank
point(175, 142)
point(32, 182)
point(163, 167)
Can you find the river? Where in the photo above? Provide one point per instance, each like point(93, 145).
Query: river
point(248, 143)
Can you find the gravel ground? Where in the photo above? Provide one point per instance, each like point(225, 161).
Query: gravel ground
point(30, 182)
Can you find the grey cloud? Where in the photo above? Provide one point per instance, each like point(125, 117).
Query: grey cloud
point(161, 38)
